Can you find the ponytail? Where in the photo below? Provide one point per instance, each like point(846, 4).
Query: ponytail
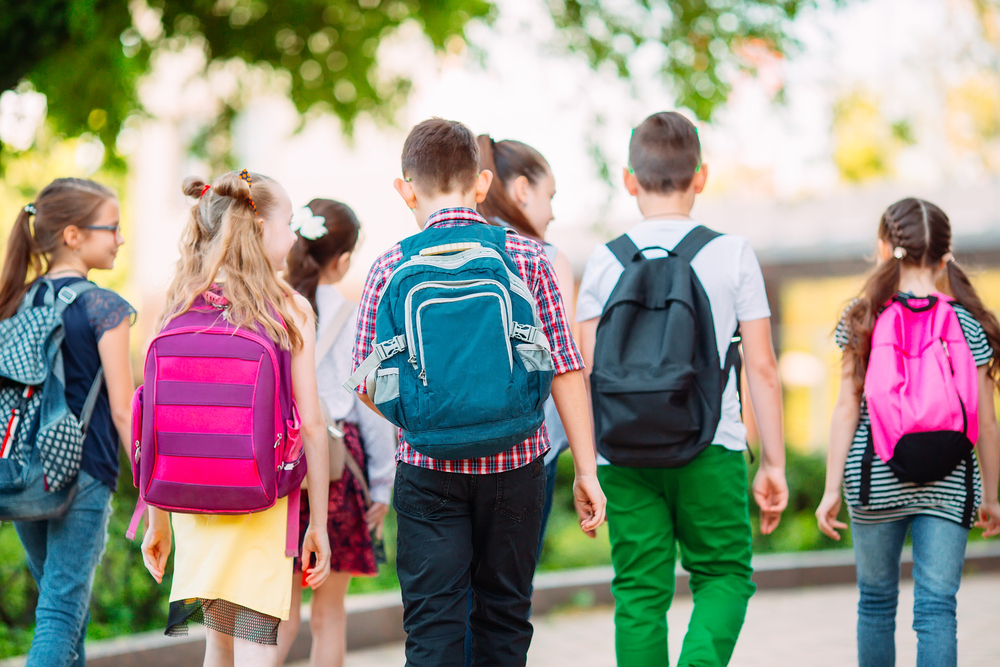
point(309, 255)
point(964, 293)
point(860, 317)
point(303, 271)
point(508, 160)
point(23, 256)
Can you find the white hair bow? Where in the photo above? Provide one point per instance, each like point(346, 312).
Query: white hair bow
point(308, 226)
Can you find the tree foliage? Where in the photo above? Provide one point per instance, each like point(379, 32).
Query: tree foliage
point(86, 56)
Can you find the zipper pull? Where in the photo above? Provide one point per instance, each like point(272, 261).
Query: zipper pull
point(278, 441)
point(423, 376)
point(944, 344)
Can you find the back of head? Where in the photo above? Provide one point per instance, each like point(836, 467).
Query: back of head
point(508, 160)
point(665, 153)
point(919, 235)
point(225, 235)
point(314, 250)
point(441, 156)
point(62, 203)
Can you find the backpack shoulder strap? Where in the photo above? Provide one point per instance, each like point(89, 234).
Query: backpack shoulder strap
point(69, 293)
point(623, 249)
point(332, 331)
point(694, 241)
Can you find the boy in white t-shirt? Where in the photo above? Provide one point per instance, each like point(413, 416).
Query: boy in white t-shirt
point(703, 504)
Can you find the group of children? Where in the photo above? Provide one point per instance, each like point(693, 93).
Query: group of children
point(462, 340)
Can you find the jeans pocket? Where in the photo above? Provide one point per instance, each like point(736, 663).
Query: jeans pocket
point(420, 491)
point(521, 492)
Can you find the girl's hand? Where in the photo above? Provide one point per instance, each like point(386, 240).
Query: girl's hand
point(156, 549)
point(375, 518)
point(826, 515)
point(590, 503)
point(316, 542)
point(989, 519)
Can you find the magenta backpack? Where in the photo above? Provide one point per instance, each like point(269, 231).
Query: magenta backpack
point(922, 389)
point(214, 426)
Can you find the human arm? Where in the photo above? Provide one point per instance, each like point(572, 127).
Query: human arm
point(313, 430)
point(113, 349)
point(566, 282)
point(156, 542)
point(379, 439)
point(570, 396)
point(846, 414)
point(770, 489)
point(989, 456)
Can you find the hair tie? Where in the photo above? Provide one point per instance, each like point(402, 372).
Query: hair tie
point(30, 209)
point(244, 176)
point(948, 258)
point(899, 252)
point(204, 190)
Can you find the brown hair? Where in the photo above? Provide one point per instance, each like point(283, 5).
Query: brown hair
point(441, 156)
point(664, 153)
point(507, 160)
point(923, 232)
point(62, 203)
point(308, 257)
point(223, 235)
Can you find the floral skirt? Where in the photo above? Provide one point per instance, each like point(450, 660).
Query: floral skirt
point(352, 548)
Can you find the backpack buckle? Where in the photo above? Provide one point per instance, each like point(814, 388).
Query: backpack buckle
point(391, 347)
point(525, 332)
point(67, 295)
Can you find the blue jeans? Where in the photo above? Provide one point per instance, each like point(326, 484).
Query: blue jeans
point(938, 556)
point(63, 555)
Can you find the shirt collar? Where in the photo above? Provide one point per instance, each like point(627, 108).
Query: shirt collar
point(452, 214)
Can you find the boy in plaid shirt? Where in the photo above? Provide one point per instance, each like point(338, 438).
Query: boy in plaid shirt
point(475, 522)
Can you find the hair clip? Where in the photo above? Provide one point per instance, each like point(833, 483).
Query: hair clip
point(408, 179)
point(308, 225)
point(697, 168)
point(244, 176)
point(30, 209)
point(899, 252)
point(204, 190)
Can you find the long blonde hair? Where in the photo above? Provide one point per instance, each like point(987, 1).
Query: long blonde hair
point(223, 235)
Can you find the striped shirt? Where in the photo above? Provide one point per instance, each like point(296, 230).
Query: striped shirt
point(536, 270)
point(891, 499)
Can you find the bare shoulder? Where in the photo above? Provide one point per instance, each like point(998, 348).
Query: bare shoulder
point(302, 312)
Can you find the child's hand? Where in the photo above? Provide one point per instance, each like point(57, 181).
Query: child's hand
point(316, 542)
point(989, 518)
point(826, 515)
point(375, 518)
point(770, 490)
point(156, 548)
point(589, 500)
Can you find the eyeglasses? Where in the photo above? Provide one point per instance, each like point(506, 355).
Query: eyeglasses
point(110, 228)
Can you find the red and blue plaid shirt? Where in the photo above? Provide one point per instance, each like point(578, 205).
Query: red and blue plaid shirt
point(538, 274)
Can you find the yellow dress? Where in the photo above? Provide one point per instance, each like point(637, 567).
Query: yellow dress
point(237, 558)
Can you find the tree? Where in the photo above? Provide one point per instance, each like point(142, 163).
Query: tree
point(86, 56)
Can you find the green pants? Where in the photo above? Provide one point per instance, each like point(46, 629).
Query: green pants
point(704, 508)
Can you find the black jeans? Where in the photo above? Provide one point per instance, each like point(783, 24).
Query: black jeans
point(459, 531)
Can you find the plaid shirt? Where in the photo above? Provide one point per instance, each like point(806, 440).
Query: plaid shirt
point(539, 276)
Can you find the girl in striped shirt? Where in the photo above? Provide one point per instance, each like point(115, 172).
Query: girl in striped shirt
point(914, 260)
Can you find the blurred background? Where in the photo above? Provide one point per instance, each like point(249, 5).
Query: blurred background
point(814, 116)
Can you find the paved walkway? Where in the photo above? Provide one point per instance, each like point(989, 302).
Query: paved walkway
point(808, 626)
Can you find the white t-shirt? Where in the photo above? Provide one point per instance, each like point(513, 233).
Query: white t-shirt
point(728, 270)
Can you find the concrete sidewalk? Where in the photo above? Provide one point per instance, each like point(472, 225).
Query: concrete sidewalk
point(799, 627)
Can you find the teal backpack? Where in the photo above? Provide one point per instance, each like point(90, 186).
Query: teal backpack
point(460, 361)
point(41, 440)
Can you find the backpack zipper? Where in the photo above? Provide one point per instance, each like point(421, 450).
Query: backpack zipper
point(947, 354)
point(503, 315)
point(457, 284)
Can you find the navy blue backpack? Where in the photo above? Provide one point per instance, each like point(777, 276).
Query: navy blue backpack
point(460, 361)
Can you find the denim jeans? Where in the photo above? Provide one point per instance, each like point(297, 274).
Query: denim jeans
point(938, 556)
point(63, 554)
point(457, 532)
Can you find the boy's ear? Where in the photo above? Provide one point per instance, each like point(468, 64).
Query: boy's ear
point(631, 182)
point(406, 191)
point(483, 182)
point(700, 178)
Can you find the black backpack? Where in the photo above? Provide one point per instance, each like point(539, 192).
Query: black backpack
point(657, 382)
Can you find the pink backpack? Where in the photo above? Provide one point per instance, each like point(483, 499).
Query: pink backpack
point(214, 426)
point(922, 389)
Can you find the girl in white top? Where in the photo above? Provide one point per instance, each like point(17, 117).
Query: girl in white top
point(327, 234)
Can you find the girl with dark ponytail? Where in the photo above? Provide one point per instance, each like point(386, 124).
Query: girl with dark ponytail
point(327, 232)
point(70, 229)
point(915, 259)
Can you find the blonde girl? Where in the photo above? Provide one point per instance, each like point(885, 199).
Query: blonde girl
point(231, 572)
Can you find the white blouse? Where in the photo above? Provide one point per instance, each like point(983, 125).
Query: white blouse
point(377, 435)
